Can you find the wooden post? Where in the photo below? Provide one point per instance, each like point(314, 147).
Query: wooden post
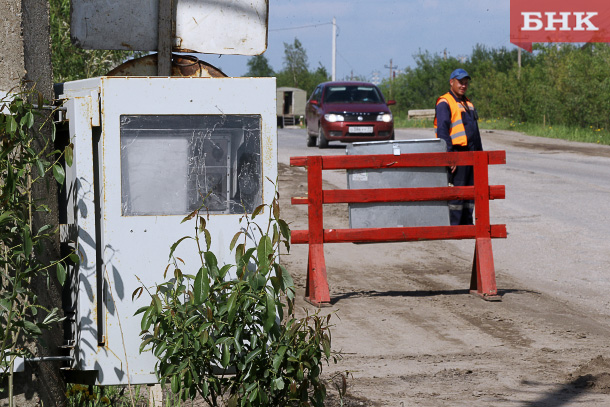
point(165, 38)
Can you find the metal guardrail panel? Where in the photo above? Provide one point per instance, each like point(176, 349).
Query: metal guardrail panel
point(398, 214)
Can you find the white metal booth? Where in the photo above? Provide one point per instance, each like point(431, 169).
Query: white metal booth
point(146, 149)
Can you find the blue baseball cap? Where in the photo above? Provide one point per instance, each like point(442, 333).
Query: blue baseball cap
point(459, 74)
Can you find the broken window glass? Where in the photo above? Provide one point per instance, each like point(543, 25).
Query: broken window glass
point(175, 164)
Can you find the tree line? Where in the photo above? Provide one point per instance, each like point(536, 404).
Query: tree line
point(558, 84)
point(295, 73)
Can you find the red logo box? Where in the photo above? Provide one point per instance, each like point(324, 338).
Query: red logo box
point(558, 21)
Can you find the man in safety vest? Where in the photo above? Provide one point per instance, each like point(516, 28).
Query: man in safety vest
point(455, 122)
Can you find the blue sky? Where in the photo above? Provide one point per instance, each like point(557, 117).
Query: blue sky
point(371, 32)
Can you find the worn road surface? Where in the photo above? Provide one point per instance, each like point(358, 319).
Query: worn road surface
point(412, 335)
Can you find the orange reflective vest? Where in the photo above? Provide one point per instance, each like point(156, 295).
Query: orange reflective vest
point(457, 132)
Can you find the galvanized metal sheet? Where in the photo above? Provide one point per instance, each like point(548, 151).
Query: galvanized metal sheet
point(236, 27)
point(399, 214)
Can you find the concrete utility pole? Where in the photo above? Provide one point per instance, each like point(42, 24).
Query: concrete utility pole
point(334, 57)
point(392, 67)
point(25, 54)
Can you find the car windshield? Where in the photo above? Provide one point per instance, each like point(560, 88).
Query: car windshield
point(352, 94)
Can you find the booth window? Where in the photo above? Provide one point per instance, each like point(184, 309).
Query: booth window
point(175, 164)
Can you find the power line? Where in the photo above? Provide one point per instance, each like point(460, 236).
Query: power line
point(346, 61)
point(302, 26)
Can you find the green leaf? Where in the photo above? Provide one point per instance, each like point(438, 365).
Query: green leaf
point(253, 355)
point(208, 239)
point(11, 125)
point(156, 302)
point(61, 274)
point(137, 292)
point(74, 258)
point(59, 174)
point(288, 283)
point(253, 395)
point(245, 258)
point(279, 383)
point(226, 355)
point(326, 346)
point(146, 321)
point(234, 240)
point(5, 304)
point(40, 168)
point(175, 384)
point(284, 228)
point(175, 245)
point(160, 348)
point(276, 209)
point(263, 252)
point(191, 320)
point(212, 263)
point(27, 241)
point(69, 154)
point(224, 270)
point(279, 357)
point(257, 210)
point(190, 215)
point(270, 312)
point(4, 216)
point(44, 228)
point(141, 309)
point(231, 306)
point(31, 328)
point(29, 119)
point(201, 286)
point(276, 236)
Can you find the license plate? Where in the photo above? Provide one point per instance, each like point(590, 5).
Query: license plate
point(361, 129)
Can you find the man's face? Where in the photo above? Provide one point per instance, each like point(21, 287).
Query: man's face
point(459, 86)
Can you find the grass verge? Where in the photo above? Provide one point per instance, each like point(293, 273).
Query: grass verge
point(585, 135)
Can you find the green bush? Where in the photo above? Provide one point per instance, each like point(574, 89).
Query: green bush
point(230, 340)
point(557, 84)
point(26, 157)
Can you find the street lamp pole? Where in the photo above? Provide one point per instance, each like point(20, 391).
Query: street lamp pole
point(334, 58)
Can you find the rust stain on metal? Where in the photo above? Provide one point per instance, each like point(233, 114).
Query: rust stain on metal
point(182, 66)
point(268, 156)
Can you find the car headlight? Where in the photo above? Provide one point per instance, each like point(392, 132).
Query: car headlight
point(332, 117)
point(385, 117)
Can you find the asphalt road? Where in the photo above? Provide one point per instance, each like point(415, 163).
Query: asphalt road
point(556, 212)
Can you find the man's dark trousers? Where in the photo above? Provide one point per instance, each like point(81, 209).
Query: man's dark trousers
point(460, 212)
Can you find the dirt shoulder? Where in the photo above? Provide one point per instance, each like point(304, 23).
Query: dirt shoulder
point(412, 335)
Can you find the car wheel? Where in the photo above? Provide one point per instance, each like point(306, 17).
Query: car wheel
point(311, 141)
point(322, 142)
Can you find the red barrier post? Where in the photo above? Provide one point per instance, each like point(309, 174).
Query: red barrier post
point(316, 291)
point(483, 279)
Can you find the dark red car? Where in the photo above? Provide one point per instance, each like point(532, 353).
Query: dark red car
point(347, 112)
